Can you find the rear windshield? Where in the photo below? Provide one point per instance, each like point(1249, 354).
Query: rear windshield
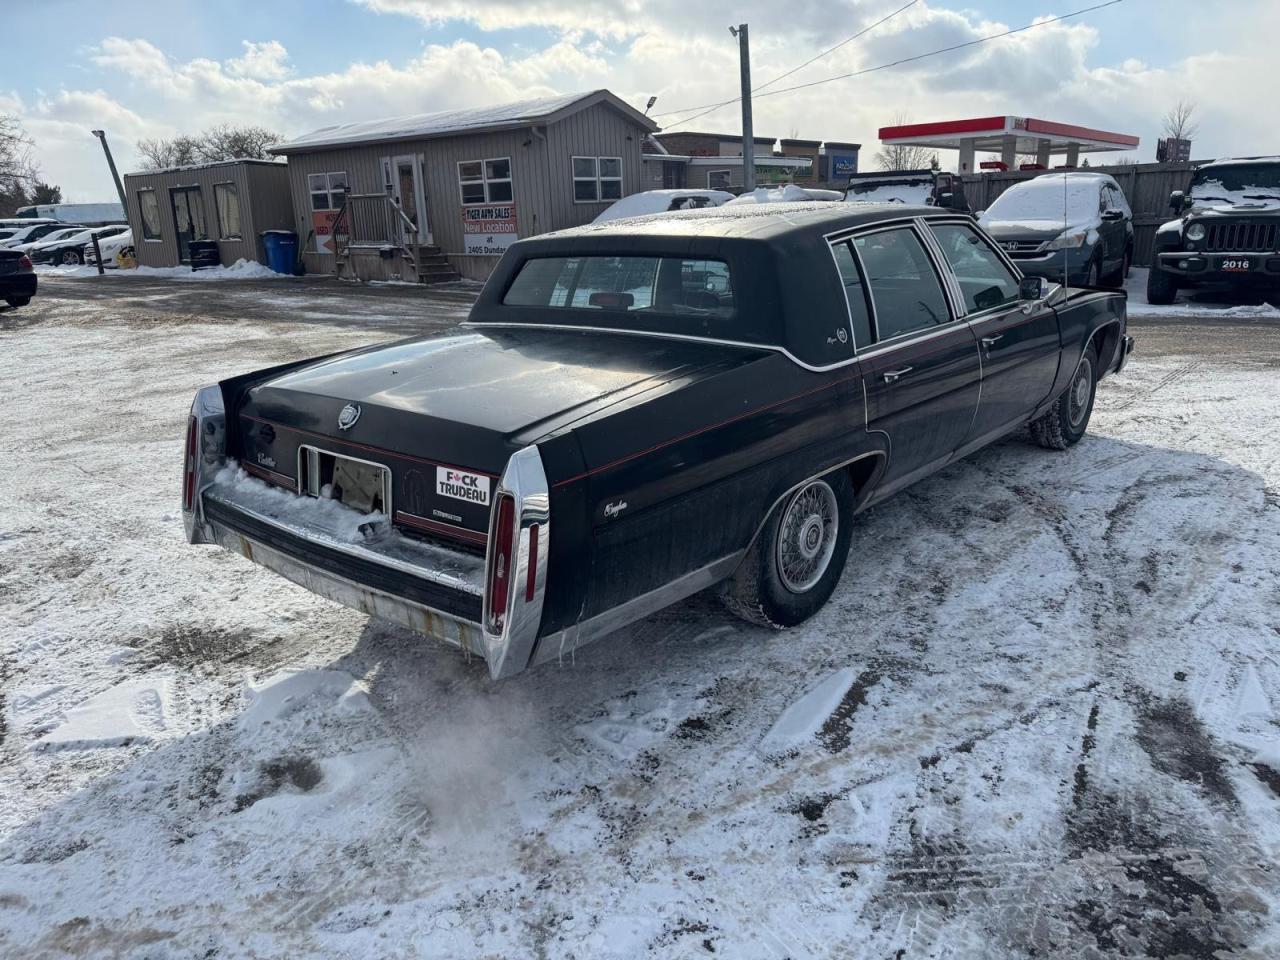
point(649, 287)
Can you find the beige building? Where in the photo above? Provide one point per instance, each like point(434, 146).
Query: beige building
point(432, 196)
point(231, 203)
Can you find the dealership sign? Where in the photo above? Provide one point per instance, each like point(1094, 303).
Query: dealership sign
point(844, 165)
point(488, 229)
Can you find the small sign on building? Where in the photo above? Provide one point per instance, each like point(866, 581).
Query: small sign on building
point(489, 229)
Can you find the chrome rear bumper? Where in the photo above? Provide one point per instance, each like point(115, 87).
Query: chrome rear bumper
point(447, 628)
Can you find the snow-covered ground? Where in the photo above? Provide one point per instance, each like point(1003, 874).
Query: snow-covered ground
point(240, 270)
point(1039, 717)
point(1199, 303)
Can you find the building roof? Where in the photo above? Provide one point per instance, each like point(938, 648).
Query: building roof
point(205, 166)
point(988, 133)
point(452, 123)
point(713, 136)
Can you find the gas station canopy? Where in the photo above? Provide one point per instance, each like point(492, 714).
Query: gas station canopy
point(1008, 136)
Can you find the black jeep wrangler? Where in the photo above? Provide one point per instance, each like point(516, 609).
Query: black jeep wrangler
point(1227, 231)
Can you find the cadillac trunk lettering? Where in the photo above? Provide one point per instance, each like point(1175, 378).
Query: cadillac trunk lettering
point(461, 485)
point(348, 417)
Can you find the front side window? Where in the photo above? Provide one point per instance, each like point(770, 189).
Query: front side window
point(150, 208)
point(485, 181)
point(596, 179)
point(670, 286)
point(226, 199)
point(904, 286)
point(855, 292)
point(984, 279)
point(328, 190)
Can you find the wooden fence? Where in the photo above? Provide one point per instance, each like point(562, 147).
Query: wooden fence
point(1146, 186)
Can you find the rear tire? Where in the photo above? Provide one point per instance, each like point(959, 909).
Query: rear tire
point(796, 561)
point(1162, 287)
point(17, 301)
point(1064, 423)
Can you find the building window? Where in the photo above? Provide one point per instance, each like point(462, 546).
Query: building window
point(150, 208)
point(226, 198)
point(597, 179)
point(328, 190)
point(485, 181)
point(718, 179)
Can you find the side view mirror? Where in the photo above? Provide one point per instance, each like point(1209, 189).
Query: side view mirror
point(1177, 200)
point(1031, 289)
point(1112, 215)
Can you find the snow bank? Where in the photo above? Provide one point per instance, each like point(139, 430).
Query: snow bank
point(134, 711)
point(240, 270)
point(287, 692)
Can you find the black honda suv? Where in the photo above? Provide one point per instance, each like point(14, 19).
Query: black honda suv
point(1227, 231)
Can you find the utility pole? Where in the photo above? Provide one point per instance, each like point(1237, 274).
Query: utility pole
point(748, 135)
point(102, 135)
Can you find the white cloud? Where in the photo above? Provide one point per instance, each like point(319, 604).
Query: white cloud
point(682, 53)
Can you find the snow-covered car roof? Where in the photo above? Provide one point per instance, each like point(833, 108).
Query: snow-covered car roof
point(1062, 197)
point(787, 193)
point(59, 237)
point(658, 201)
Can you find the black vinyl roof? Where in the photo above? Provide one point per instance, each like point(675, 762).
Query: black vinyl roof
point(786, 288)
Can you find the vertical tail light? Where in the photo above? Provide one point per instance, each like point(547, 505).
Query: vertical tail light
point(189, 468)
point(25, 265)
point(500, 572)
point(531, 582)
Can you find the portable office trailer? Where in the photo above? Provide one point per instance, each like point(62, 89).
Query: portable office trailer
point(420, 197)
point(231, 202)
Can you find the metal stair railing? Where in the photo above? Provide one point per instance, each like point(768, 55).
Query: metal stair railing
point(374, 220)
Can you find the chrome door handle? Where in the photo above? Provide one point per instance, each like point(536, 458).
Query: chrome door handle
point(989, 342)
point(890, 376)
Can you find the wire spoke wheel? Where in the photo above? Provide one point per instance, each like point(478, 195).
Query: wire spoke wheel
point(1079, 391)
point(806, 537)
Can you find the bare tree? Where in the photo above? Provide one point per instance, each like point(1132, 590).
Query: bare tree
point(1178, 122)
point(17, 170)
point(905, 156)
point(161, 154)
point(223, 142)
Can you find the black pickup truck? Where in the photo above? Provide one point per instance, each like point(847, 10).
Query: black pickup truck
point(638, 410)
point(1227, 231)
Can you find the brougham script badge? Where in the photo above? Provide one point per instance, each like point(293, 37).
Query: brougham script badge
point(348, 417)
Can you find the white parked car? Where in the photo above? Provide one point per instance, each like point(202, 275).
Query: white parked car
point(34, 231)
point(69, 251)
point(663, 201)
point(111, 247)
point(51, 236)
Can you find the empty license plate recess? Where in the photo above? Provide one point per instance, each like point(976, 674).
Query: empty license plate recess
point(359, 484)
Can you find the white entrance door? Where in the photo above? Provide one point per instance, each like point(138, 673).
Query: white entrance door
point(403, 179)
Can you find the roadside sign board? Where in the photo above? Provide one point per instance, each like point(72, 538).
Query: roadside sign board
point(489, 229)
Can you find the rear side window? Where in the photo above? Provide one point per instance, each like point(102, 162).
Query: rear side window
point(855, 291)
point(904, 286)
point(984, 279)
point(640, 285)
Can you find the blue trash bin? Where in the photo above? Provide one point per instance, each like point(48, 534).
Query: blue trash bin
point(282, 249)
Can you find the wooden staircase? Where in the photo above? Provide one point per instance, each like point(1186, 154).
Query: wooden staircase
point(373, 239)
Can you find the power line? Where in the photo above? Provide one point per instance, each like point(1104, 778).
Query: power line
point(866, 30)
point(716, 106)
point(884, 66)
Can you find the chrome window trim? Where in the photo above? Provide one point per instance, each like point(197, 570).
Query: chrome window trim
point(926, 333)
point(848, 307)
point(690, 338)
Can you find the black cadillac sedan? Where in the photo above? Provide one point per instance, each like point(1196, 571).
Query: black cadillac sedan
point(638, 410)
point(17, 278)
